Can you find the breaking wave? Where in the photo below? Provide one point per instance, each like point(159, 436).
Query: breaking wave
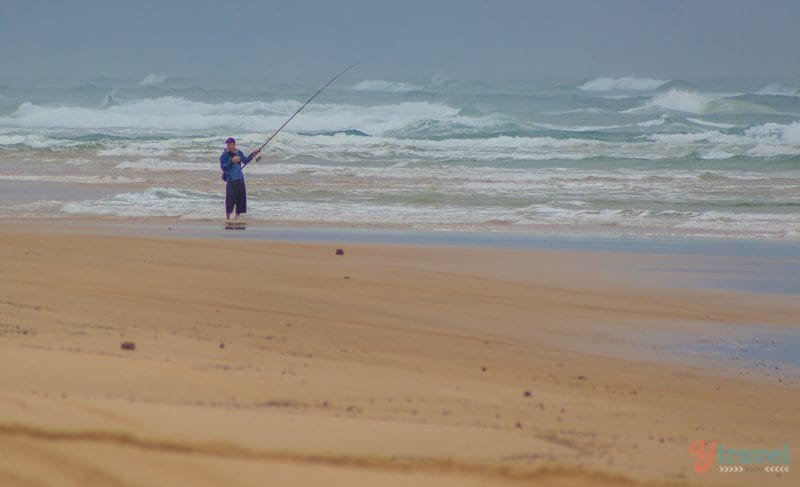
point(153, 79)
point(637, 155)
point(683, 101)
point(626, 83)
point(386, 86)
point(178, 115)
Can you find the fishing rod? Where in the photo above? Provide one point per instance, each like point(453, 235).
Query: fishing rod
point(306, 103)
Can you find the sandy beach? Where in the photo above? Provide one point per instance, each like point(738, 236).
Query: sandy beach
point(277, 363)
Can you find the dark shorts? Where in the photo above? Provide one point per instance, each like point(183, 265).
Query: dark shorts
point(235, 195)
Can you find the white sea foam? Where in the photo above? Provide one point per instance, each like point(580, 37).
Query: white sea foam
point(165, 147)
point(153, 79)
point(656, 122)
point(32, 209)
point(766, 140)
point(778, 89)
point(579, 128)
point(761, 142)
point(72, 179)
point(473, 157)
point(700, 104)
point(783, 134)
point(154, 202)
point(626, 83)
point(771, 150)
point(351, 149)
point(591, 110)
point(192, 205)
point(386, 86)
point(164, 165)
point(369, 195)
point(652, 147)
point(344, 148)
point(398, 132)
point(415, 216)
point(170, 114)
point(35, 141)
point(706, 123)
point(791, 134)
point(733, 223)
point(683, 101)
point(716, 154)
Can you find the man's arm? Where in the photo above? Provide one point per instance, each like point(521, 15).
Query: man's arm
point(225, 161)
point(246, 160)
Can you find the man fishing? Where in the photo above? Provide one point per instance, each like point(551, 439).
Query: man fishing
point(231, 162)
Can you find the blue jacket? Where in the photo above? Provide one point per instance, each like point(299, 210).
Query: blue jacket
point(232, 170)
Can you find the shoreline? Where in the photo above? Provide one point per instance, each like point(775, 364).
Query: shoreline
point(732, 245)
point(547, 364)
point(771, 266)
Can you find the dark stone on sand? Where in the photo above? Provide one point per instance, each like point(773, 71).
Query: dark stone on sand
point(483, 369)
point(528, 394)
point(221, 345)
point(128, 346)
point(518, 425)
point(339, 252)
point(581, 377)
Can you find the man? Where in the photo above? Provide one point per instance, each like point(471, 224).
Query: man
point(231, 162)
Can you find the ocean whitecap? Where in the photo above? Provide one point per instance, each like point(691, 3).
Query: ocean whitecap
point(624, 83)
point(153, 79)
point(385, 86)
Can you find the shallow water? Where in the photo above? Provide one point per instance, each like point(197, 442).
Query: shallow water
point(627, 156)
point(760, 348)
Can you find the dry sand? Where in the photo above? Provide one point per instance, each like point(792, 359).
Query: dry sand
point(266, 363)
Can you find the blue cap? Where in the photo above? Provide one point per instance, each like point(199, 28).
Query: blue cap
point(230, 139)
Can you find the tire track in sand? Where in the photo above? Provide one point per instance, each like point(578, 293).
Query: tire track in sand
point(509, 473)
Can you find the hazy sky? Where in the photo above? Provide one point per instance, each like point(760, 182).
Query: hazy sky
point(401, 39)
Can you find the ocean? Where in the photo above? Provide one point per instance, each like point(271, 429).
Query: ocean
point(603, 156)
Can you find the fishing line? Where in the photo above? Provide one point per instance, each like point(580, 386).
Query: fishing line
point(305, 104)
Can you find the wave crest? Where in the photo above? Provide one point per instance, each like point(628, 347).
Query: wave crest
point(683, 101)
point(153, 79)
point(626, 83)
point(172, 114)
point(785, 134)
point(386, 86)
point(778, 89)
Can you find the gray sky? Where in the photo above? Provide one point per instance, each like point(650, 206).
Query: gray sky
point(401, 39)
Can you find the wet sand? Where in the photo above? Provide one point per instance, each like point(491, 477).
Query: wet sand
point(263, 362)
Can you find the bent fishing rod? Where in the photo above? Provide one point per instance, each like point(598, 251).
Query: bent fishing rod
point(304, 105)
